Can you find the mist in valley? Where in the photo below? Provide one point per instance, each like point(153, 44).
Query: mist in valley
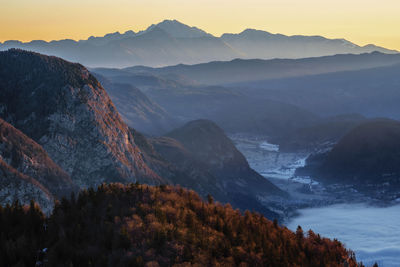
point(304, 130)
point(371, 231)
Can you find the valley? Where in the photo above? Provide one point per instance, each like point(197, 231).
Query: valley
point(287, 139)
point(170, 133)
point(334, 210)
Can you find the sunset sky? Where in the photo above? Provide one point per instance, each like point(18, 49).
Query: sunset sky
point(360, 21)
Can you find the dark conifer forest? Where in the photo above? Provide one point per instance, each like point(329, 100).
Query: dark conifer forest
point(141, 225)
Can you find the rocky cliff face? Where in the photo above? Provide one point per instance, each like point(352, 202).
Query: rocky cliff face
point(15, 186)
point(27, 157)
point(27, 172)
point(64, 108)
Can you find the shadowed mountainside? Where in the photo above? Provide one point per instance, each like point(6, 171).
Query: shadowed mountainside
point(233, 110)
point(209, 145)
point(367, 157)
point(371, 92)
point(137, 110)
point(64, 108)
point(222, 171)
point(66, 111)
point(243, 70)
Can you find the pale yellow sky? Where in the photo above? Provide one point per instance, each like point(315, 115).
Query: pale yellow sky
point(360, 21)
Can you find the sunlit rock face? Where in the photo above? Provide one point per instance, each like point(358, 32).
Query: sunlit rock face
point(15, 186)
point(27, 172)
point(65, 109)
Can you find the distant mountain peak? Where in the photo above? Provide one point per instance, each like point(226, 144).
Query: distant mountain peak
point(254, 31)
point(101, 40)
point(178, 30)
point(171, 42)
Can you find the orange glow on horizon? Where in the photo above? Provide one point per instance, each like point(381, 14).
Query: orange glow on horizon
point(359, 21)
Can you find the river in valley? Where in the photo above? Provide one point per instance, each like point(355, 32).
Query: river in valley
point(371, 230)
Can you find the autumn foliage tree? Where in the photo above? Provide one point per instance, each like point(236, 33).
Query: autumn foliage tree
point(140, 225)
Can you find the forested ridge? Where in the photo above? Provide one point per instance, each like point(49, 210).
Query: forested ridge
point(141, 225)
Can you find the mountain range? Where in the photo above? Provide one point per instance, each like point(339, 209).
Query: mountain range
point(61, 132)
point(171, 42)
point(295, 102)
point(245, 70)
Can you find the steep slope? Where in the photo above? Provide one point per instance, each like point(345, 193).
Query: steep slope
point(27, 172)
point(28, 158)
point(210, 146)
point(15, 186)
point(136, 109)
point(171, 42)
point(140, 225)
point(64, 108)
point(368, 158)
point(170, 159)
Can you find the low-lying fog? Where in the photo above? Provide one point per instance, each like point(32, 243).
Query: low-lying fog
point(373, 233)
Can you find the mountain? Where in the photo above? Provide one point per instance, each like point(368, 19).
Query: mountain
point(234, 181)
point(209, 145)
point(98, 41)
point(170, 159)
point(367, 158)
point(140, 225)
point(261, 44)
point(370, 92)
point(322, 134)
point(178, 30)
point(241, 71)
point(27, 172)
point(171, 42)
point(234, 110)
point(62, 107)
point(136, 109)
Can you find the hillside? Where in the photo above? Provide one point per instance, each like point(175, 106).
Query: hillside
point(136, 109)
point(139, 225)
point(63, 108)
point(229, 179)
point(233, 110)
point(68, 114)
point(27, 172)
point(367, 158)
point(324, 133)
point(209, 145)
